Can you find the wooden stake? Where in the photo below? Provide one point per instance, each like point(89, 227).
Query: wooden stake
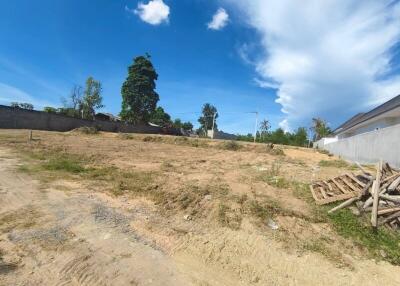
point(30, 135)
point(344, 204)
point(375, 193)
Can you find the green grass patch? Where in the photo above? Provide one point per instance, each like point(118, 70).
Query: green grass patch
point(349, 226)
point(334, 163)
point(65, 163)
point(231, 145)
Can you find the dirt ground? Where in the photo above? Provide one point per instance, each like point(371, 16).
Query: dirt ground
point(152, 210)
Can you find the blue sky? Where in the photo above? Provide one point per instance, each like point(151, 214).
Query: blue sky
point(288, 60)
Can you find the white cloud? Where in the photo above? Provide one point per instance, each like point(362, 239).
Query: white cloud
point(328, 57)
point(219, 20)
point(155, 12)
point(10, 94)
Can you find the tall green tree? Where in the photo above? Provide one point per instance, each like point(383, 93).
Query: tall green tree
point(139, 98)
point(177, 123)
point(209, 113)
point(187, 126)
point(300, 137)
point(320, 128)
point(92, 98)
point(160, 117)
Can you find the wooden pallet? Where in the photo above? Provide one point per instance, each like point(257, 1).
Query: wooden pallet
point(337, 189)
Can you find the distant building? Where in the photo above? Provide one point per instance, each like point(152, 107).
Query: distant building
point(220, 135)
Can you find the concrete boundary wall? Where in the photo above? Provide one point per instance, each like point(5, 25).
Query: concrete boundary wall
point(369, 147)
point(16, 118)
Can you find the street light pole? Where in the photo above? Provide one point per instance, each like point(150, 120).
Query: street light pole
point(255, 127)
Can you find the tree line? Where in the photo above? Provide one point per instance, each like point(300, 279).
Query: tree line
point(140, 106)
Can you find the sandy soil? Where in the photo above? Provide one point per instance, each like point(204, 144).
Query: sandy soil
point(70, 232)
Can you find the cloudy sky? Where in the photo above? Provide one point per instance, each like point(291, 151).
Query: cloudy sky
point(289, 60)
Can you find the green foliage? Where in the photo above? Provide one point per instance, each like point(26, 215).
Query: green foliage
point(349, 226)
point(64, 163)
point(209, 113)
point(231, 145)
point(177, 123)
point(50, 109)
point(187, 126)
point(22, 105)
point(92, 98)
point(160, 117)
point(279, 136)
point(320, 128)
point(334, 163)
point(69, 112)
point(139, 98)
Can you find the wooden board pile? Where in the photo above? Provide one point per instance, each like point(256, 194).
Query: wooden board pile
point(377, 193)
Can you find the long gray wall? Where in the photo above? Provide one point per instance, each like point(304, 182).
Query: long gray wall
point(15, 118)
point(370, 147)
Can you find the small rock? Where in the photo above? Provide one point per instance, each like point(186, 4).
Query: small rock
point(208, 197)
point(272, 224)
point(187, 217)
point(355, 211)
point(382, 253)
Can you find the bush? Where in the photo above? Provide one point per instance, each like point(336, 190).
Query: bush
point(231, 145)
point(64, 163)
point(87, 130)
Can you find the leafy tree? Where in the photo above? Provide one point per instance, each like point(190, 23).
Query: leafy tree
point(73, 104)
point(177, 123)
point(160, 117)
point(139, 98)
point(207, 117)
point(187, 126)
point(320, 128)
point(50, 109)
point(300, 137)
point(92, 98)
point(22, 105)
point(279, 137)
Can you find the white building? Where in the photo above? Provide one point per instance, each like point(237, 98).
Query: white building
point(368, 137)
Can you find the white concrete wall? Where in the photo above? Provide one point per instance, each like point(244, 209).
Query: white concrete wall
point(369, 147)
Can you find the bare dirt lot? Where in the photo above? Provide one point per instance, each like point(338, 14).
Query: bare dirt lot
point(123, 209)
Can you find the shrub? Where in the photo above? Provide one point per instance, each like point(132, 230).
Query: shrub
point(231, 145)
point(87, 130)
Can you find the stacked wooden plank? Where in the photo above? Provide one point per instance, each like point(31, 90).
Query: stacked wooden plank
point(337, 189)
point(377, 193)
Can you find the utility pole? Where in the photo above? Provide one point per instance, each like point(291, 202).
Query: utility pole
point(255, 127)
point(213, 124)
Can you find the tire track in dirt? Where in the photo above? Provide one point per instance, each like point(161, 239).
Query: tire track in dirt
point(75, 238)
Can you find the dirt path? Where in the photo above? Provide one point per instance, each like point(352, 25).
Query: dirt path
point(57, 238)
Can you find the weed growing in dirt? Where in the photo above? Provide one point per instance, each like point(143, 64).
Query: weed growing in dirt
point(152, 139)
point(125, 136)
point(87, 130)
point(228, 217)
point(334, 163)
point(349, 226)
point(275, 151)
point(320, 246)
point(231, 145)
point(64, 162)
point(267, 208)
point(322, 151)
